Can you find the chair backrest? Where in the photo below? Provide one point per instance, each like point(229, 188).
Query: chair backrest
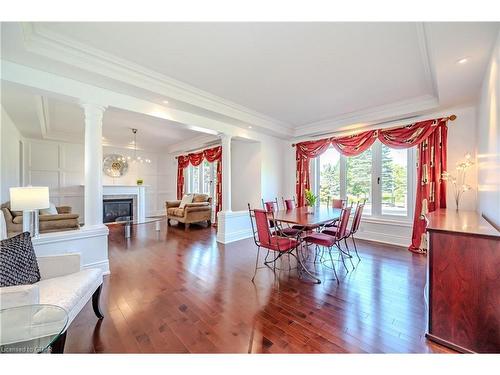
point(270, 206)
point(344, 219)
point(339, 203)
point(357, 217)
point(261, 232)
point(289, 204)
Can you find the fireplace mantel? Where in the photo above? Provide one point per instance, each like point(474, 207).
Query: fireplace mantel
point(138, 191)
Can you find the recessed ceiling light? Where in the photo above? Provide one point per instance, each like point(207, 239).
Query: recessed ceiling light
point(463, 60)
point(165, 101)
point(249, 127)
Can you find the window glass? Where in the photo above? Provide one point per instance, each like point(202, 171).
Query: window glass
point(195, 182)
point(329, 169)
point(207, 178)
point(394, 182)
point(359, 179)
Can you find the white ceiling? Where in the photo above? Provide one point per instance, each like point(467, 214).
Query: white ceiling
point(64, 120)
point(295, 72)
point(298, 78)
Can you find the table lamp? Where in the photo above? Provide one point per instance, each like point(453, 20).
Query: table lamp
point(29, 199)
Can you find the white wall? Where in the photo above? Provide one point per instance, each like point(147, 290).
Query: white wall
point(488, 140)
point(58, 165)
point(462, 140)
point(10, 162)
point(245, 174)
point(157, 177)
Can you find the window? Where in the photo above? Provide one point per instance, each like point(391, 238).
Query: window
point(380, 175)
point(359, 180)
point(394, 181)
point(329, 167)
point(201, 179)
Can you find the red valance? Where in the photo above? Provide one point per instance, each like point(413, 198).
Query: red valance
point(432, 159)
point(195, 159)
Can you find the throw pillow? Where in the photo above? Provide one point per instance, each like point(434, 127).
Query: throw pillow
point(18, 265)
point(52, 210)
point(188, 198)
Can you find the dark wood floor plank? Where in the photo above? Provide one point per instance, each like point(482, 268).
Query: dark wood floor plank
point(182, 292)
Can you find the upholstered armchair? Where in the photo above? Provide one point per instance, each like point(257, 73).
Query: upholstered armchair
point(198, 211)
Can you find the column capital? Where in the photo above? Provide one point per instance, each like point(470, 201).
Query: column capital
point(93, 109)
point(225, 137)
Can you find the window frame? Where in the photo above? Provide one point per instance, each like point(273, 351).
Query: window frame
point(376, 188)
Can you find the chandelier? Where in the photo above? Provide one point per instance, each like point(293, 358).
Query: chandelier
point(135, 158)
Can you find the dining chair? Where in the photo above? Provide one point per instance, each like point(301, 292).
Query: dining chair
point(340, 204)
point(272, 206)
point(289, 204)
point(341, 232)
point(328, 241)
point(355, 224)
point(264, 238)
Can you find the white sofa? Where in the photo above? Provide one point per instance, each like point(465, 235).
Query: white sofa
point(63, 283)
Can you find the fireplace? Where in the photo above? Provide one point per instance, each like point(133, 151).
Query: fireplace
point(117, 209)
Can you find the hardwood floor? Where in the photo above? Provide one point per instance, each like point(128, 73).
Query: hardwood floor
point(182, 292)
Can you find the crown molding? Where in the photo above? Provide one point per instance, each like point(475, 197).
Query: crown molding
point(190, 144)
point(366, 117)
point(41, 41)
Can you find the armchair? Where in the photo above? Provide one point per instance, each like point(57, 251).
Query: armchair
point(198, 211)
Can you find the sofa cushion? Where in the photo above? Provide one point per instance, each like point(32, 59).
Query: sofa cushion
point(188, 198)
point(18, 265)
point(58, 217)
point(67, 291)
point(200, 198)
point(52, 210)
point(176, 211)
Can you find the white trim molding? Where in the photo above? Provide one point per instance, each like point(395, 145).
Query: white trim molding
point(41, 41)
point(233, 226)
point(90, 243)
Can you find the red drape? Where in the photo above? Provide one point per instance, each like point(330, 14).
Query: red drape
point(195, 159)
point(419, 133)
point(431, 188)
point(304, 152)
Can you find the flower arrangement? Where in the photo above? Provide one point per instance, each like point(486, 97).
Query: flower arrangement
point(310, 198)
point(458, 181)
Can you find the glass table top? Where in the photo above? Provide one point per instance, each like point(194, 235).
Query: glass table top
point(130, 221)
point(31, 328)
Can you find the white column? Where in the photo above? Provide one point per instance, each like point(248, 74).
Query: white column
point(226, 172)
point(93, 164)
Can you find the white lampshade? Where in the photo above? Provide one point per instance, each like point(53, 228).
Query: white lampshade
point(29, 198)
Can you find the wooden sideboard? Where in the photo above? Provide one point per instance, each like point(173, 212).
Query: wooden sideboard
point(463, 282)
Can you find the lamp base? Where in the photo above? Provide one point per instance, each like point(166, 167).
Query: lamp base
point(31, 222)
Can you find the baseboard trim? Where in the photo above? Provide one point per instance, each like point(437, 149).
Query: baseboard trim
point(103, 265)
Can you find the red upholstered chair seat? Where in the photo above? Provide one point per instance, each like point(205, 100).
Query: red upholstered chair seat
point(305, 227)
point(281, 243)
point(333, 232)
point(320, 239)
point(290, 231)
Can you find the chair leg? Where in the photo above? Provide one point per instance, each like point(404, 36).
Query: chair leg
point(341, 256)
point(348, 253)
point(355, 248)
point(95, 302)
point(256, 263)
point(333, 265)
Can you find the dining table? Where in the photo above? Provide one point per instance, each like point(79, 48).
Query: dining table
point(308, 218)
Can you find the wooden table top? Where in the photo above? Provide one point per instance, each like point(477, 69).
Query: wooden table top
point(300, 216)
point(450, 220)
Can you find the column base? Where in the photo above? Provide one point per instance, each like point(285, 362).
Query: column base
point(233, 226)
